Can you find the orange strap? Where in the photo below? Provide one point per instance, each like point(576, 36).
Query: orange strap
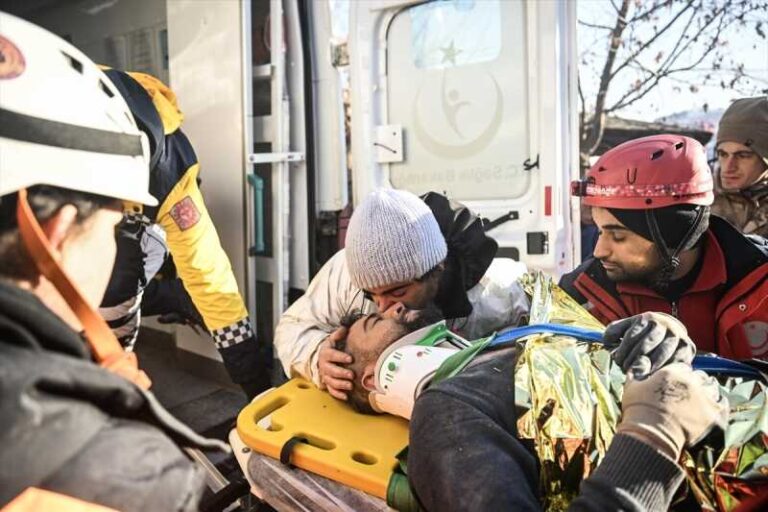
point(104, 345)
point(40, 500)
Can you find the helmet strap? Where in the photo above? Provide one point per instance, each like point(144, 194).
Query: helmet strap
point(670, 258)
point(104, 345)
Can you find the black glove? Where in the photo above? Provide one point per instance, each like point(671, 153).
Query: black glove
point(168, 299)
point(249, 364)
point(647, 342)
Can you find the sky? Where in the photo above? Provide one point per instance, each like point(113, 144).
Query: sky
point(670, 96)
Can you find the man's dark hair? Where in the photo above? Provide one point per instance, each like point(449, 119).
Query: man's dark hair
point(358, 397)
point(45, 201)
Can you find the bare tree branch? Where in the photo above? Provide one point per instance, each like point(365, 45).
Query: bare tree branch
point(667, 69)
point(592, 25)
point(647, 14)
point(658, 34)
point(689, 43)
point(594, 129)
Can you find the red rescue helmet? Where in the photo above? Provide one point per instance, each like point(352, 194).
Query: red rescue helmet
point(650, 172)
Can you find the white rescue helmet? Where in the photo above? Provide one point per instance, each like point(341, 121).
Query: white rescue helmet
point(62, 122)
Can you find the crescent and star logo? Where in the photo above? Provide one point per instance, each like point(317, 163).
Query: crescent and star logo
point(12, 63)
point(460, 140)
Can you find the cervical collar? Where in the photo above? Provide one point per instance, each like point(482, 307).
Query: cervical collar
point(407, 366)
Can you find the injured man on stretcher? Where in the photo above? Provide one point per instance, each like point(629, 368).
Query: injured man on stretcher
point(497, 424)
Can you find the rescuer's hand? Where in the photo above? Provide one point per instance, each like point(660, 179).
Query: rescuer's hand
point(647, 342)
point(335, 378)
point(673, 408)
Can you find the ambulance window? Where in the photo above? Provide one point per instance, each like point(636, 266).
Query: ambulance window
point(457, 83)
point(471, 29)
point(339, 19)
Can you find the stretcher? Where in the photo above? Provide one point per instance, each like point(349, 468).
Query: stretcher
point(301, 449)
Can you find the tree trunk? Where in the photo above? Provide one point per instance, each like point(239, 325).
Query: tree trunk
point(593, 128)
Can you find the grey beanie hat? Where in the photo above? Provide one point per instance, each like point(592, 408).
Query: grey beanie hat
point(392, 237)
point(746, 122)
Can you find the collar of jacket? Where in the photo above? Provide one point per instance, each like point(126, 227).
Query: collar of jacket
point(470, 252)
point(740, 255)
point(35, 326)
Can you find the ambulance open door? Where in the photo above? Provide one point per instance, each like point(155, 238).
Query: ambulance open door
point(474, 99)
point(295, 168)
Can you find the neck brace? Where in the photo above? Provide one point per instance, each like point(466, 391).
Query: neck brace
point(407, 366)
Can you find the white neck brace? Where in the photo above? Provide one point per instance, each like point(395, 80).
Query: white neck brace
point(405, 368)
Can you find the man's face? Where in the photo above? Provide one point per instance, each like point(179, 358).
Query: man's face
point(370, 335)
point(625, 256)
point(367, 339)
point(88, 253)
point(412, 294)
point(740, 167)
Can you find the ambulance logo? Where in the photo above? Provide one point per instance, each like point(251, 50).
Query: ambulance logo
point(454, 119)
point(185, 214)
point(12, 63)
point(757, 337)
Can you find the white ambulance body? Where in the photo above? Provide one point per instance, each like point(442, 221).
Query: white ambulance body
point(475, 99)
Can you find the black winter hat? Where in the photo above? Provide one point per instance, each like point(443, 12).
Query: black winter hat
point(674, 223)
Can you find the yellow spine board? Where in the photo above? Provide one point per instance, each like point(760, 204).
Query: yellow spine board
point(354, 449)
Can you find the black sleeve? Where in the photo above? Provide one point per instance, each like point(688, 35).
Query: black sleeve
point(464, 453)
point(470, 252)
point(619, 483)
point(131, 466)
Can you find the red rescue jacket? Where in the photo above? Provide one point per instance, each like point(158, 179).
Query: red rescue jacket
point(725, 310)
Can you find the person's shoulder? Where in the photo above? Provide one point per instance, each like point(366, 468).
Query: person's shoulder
point(115, 458)
point(336, 266)
point(582, 268)
point(743, 253)
point(503, 272)
point(486, 385)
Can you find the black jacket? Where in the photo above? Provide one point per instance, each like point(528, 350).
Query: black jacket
point(470, 253)
point(464, 452)
point(68, 426)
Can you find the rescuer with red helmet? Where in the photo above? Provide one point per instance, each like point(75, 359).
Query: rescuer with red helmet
point(660, 250)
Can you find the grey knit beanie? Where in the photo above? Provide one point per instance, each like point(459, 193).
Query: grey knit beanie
point(746, 122)
point(392, 237)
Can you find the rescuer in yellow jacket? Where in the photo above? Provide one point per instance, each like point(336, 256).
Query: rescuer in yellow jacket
point(206, 291)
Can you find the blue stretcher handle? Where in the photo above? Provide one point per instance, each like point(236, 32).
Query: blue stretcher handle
point(710, 364)
point(565, 330)
point(728, 367)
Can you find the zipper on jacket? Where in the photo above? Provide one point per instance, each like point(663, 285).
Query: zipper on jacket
point(674, 309)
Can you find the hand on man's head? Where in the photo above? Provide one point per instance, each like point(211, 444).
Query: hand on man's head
point(333, 377)
point(647, 342)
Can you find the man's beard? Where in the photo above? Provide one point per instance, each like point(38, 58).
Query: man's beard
point(415, 319)
point(645, 274)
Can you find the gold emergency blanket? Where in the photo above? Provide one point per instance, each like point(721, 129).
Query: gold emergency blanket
point(724, 473)
point(571, 389)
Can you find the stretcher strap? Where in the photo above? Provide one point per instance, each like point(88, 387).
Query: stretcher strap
point(106, 349)
point(287, 449)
